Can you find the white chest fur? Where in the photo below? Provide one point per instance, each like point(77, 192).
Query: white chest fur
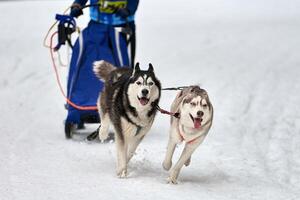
point(131, 130)
point(142, 119)
point(189, 134)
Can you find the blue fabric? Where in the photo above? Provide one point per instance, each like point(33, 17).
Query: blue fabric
point(83, 87)
point(110, 18)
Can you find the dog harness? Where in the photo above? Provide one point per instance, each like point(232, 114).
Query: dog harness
point(189, 142)
point(183, 139)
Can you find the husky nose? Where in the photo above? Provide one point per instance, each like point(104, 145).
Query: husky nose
point(200, 113)
point(145, 92)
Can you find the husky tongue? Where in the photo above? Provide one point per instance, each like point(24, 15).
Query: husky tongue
point(197, 122)
point(143, 101)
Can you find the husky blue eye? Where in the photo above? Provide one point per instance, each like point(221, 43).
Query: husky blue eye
point(139, 83)
point(151, 83)
point(193, 104)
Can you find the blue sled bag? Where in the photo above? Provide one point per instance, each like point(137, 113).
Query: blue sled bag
point(96, 42)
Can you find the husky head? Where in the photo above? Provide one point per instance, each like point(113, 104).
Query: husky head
point(144, 87)
point(195, 109)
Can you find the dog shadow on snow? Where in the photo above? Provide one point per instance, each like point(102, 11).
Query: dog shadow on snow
point(206, 175)
point(141, 166)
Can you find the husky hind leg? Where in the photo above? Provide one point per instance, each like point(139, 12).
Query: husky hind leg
point(103, 132)
point(105, 121)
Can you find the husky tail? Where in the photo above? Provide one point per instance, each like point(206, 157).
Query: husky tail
point(102, 69)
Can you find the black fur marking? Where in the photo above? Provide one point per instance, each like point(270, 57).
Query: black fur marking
point(153, 110)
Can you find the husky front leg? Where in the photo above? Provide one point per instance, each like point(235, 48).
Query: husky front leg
point(167, 164)
point(186, 154)
point(133, 146)
point(121, 157)
point(184, 158)
point(136, 140)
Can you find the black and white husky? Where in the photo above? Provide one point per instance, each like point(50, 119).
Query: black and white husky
point(128, 102)
point(196, 115)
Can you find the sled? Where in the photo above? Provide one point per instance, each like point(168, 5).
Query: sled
point(96, 42)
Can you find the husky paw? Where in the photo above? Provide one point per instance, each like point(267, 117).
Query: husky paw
point(103, 136)
point(167, 165)
point(173, 176)
point(172, 180)
point(122, 174)
point(188, 162)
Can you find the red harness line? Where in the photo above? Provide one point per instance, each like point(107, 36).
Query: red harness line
point(176, 115)
point(59, 82)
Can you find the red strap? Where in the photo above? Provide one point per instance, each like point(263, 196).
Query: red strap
point(182, 138)
point(189, 142)
point(176, 115)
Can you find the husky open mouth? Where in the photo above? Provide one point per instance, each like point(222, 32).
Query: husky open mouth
point(143, 100)
point(197, 121)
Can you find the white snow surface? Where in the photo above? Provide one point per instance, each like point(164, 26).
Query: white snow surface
point(244, 53)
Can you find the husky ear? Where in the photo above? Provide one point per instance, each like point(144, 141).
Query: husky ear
point(150, 69)
point(136, 68)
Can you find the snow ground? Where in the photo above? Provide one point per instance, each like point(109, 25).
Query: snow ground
point(245, 53)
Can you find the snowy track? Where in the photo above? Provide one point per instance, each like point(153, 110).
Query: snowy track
point(245, 54)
